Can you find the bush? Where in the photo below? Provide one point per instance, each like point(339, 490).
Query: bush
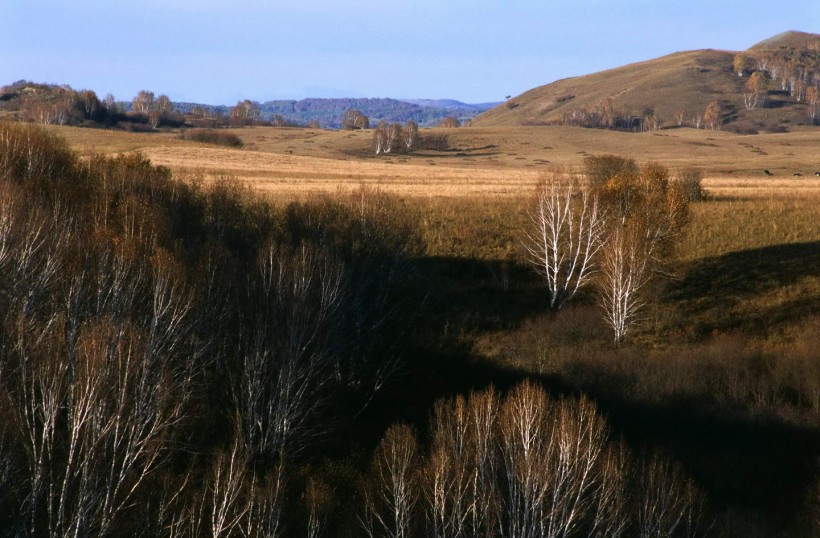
point(209, 136)
point(601, 168)
point(689, 181)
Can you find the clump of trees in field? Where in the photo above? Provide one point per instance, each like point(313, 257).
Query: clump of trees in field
point(615, 231)
point(395, 138)
point(354, 119)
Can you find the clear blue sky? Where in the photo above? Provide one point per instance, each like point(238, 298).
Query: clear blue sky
point(218, 52)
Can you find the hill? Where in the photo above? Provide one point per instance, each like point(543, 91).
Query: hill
point(790, 39)
point(451, 104)
point(673, 90)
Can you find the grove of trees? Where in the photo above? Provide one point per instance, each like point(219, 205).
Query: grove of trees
point(615, 231)
point(354, 119)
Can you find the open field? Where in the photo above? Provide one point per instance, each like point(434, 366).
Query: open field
point(500, 161)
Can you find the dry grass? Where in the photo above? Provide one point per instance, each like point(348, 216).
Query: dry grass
point(483, 162)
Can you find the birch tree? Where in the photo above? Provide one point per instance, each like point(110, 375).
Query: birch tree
point(564, 236)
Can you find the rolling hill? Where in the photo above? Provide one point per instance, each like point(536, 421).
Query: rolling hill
point(675, 88)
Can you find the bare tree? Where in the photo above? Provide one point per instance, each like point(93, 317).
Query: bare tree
point(410, 135)
point(380, 138)
point(565, 235)
point(387, 137)
point(625, 273)
point(285, 363)
point(813, 103)
point(389, 508)
point(450, 122)
point(354, 119)
point(755, 92)
point(669, 504)
point(143, 102)
point(713, 116)
point(245, 112)
point(90, 102)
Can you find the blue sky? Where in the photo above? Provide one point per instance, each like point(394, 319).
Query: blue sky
point(218, 52)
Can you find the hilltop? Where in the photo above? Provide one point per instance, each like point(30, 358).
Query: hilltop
point(675, 89)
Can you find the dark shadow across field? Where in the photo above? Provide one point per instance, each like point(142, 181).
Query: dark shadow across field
point(745, 465)
point(715, 287)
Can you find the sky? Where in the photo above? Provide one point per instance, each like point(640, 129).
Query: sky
point(219, 52)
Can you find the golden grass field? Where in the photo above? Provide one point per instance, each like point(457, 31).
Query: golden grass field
point(473, 196)
point(497, 161)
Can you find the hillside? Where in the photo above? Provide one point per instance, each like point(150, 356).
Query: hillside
point(674, 89)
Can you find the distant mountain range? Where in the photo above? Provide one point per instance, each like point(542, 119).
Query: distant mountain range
point(32, 97)
point(329, 112)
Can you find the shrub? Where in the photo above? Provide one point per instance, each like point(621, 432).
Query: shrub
point(601, 168)
point(209, 136)
point(689, 182)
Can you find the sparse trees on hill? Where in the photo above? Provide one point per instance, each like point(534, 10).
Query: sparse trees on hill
point(755, 92)
point(740, 63)
point(812, 103)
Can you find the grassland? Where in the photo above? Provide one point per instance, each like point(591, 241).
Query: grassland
point(498, 161)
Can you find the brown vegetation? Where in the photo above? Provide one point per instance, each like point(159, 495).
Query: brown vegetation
point(300, 333)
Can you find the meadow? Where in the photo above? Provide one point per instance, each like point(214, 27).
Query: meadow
point(720, 380)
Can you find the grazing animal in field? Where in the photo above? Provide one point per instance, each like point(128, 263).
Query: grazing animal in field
point(817, 174)
point(767, 173)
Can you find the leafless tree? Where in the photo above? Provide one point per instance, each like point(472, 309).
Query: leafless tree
point(669, 504)
point(450, 122)
point(245, 112)
point(624, 275)
point(452, 475)
point(90, 102)
point(354, 119)
point(387, 137)
point(755, 91)
point(143, 102)
point(390, 506)
point(565, 235)
point(410, 135)
point(713, 116)
point(813, 103)
point(285, 364)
